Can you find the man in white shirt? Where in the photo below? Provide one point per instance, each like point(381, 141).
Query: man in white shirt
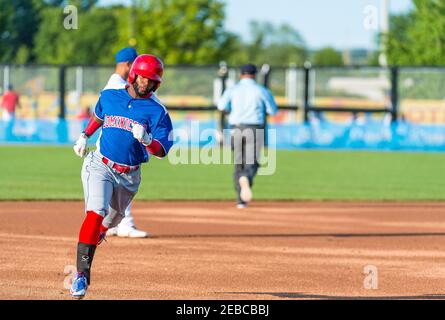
point(248, 103)
point(118, 80)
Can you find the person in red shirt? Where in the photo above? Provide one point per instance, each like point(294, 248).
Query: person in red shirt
point(9, 103)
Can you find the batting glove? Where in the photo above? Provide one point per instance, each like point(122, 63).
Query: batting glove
point(80, 148)
point(141, 135)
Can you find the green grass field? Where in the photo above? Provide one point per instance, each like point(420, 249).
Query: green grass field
point(42, 173)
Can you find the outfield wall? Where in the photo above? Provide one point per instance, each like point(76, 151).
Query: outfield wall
point(320, 107)
point(363, 133)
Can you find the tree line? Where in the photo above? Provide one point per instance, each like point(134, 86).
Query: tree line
point(180, 31)
point(192, 32)
point(418, 37)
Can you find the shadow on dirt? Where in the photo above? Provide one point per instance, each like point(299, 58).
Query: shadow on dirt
point(298, 295)
point(301, 235)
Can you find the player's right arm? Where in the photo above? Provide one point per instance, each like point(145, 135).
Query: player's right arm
point(80, 148)
point(94, 124)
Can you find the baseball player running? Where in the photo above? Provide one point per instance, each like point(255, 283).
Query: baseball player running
point(118, 80)
point(134, 126)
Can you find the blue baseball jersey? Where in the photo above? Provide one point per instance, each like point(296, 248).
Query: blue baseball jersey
point(119, 112)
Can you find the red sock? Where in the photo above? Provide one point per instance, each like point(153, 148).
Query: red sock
point(90, 230)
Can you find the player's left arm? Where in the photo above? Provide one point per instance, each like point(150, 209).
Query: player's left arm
point(159, 141)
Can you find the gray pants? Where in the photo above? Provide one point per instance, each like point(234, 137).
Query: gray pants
point(247, 142)
point(108, 192)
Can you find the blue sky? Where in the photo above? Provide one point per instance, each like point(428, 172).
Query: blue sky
point(337, 23)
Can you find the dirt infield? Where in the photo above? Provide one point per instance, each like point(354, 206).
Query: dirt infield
point(209, 250)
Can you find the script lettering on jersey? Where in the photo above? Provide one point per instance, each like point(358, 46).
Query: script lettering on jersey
point(120, 123)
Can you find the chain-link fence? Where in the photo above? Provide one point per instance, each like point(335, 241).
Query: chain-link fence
point(350, 88)
point(320, 107)
point(420, 94)
point(38, 87)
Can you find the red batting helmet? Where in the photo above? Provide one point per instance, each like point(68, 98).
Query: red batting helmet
point(147, 66)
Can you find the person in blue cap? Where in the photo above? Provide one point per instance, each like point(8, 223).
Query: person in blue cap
point(124, 60)
point(118, 80)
